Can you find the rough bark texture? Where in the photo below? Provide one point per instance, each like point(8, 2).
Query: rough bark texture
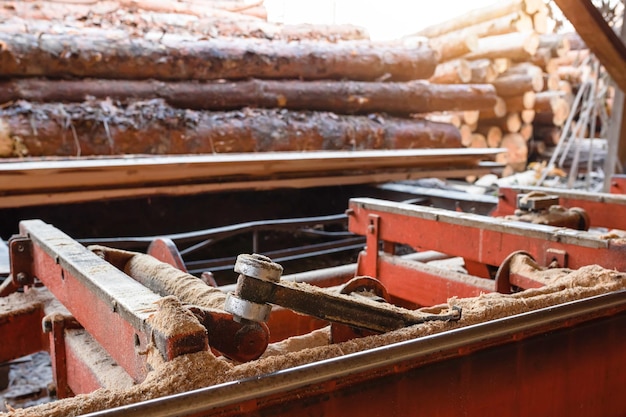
point(457, 71)
point(452, 47)
point(518, 84)
point(179, 58)
point(151, 127)
point(476, 16)
point(516, 46)
point(336, 96)
point(139, 24)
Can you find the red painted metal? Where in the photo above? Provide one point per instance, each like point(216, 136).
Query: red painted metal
point(109, 305)
point(21, 332)
point(165, 250)
point(481, 239)
point(563, 360)
point(604, 210)
point(618, 184)
point(421, 284)
point(58, 357)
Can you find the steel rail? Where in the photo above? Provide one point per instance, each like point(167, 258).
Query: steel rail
point(416, 351)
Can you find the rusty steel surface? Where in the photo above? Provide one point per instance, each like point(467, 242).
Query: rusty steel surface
point(109, 304)
point(239, 341)
point(326, 305)
point(528, 364)
point(600, 207)
point(21, 333)
point(478, 238)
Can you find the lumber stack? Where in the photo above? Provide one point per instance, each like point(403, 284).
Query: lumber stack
point(199, 76)
point(534, 72)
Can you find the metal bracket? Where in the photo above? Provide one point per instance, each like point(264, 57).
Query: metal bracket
point(21, 258)
point(556, 255)
point(372, 240)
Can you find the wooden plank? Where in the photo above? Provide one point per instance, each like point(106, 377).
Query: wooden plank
point(598, 36)
point(62, 181)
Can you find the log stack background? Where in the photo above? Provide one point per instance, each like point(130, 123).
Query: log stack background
point(196, 76)
point(214, 76)
point(535, 73)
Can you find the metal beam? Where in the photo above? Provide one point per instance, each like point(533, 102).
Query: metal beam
point(598, 36)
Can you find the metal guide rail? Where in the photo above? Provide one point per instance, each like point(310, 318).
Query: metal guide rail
point(485, 243)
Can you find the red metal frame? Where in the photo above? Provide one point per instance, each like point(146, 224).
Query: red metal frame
point(478, 239)
point(618, 184)
point(604, 210)
point(111, 306)
point(529, 364)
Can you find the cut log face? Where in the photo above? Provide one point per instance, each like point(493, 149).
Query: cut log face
point(493, 134)
point(497, 111)
point(517, 152)
point(344, 97)
point(178, 58)
point(151, 127)
point(520, 103)
point(457, 71)
point(482, 71)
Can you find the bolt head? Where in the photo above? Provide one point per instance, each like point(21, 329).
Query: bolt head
point(258, 266)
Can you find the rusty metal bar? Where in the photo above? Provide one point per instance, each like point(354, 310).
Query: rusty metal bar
point(110, 305)
point(483, 239)
point(481, 360)
point(322, 304)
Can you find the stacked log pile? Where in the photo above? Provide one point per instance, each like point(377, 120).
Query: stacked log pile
point(535, 74)
point(194, 76)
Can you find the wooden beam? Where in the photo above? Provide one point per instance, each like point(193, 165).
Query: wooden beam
point(598, 36)
point(81, 179)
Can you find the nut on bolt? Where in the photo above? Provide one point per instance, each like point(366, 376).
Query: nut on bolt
point(252, 266)
point(259, 267)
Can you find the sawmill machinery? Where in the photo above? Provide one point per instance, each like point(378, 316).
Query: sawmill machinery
point(422, 349)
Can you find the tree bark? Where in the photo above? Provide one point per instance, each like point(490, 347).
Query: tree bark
point(140, 25)
point(456, 71)
point(345, 97)
point(514, 22)
point(516, 46)
point(179, 58)
point(520, 103)
point(517, 84)
point(150, 127)
point(494, 11)
point(482, 71)
point(451, 47)
point(511, 123)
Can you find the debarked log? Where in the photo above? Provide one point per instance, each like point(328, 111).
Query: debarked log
point(152, 127)
point(174, 57)
point(344, 97)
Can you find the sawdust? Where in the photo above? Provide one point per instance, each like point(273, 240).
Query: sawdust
point(204, 369)
point(319, 337)
point(172, 318)
point(170, 280)
point(20, 303)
